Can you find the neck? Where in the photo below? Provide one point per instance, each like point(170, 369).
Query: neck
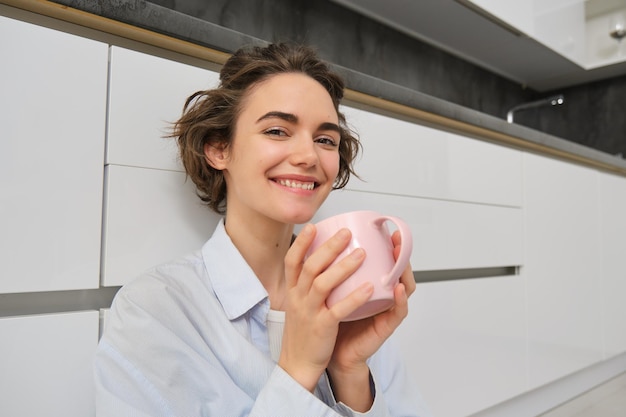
point(263, 244)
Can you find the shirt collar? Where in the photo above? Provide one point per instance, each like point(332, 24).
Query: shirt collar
point(236, 286)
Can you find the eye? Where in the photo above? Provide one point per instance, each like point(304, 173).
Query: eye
point(275, 131)
point(326, 140)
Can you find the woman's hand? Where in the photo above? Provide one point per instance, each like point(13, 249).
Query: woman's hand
point(359, 340)
point(310, 326)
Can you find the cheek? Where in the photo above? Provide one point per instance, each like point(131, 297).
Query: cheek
point(331, 165)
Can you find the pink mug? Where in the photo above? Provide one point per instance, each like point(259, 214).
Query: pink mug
point(370, 232)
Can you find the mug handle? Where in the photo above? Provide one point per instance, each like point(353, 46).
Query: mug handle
point(405, 249)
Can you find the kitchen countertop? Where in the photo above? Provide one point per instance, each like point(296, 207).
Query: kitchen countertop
point(363, 90)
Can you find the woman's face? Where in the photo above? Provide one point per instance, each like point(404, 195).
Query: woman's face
point(284, 157)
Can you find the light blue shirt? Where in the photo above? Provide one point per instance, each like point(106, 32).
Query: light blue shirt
point(189, 338)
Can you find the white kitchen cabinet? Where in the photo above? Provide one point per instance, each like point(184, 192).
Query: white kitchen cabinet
point(151, 216)
point(613, 237)
point(405, 158)
point(46, 366)
point(516, 13)
point(52, 112)
point(560, 25)
point(601, 49)
point(562, 267)
point(446, 235)
point(464, 343)
point(147, 94)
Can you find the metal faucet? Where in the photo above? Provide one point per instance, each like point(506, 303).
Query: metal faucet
point(552, 101)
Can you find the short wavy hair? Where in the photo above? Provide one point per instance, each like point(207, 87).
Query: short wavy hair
point(210, 116)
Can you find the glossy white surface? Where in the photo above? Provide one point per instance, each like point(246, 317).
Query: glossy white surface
point(147, 94)
point(613, 235)
point(446, 235)
point(46, 364)
point(562, 267)
point(602, 49)
point(464, 342)
point(560, 25)
point(152, 216)
point(52, 112)
point(409, 159)
point(519, 14)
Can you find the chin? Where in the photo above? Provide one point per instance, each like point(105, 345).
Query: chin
point(299, 217)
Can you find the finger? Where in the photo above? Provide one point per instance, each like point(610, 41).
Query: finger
point(396, 239)
point(323, 284)
point(408, 279)
point(407, 276)
point(394, 316)
point(322, 257)
point(297, 253)
point(401, 307)
point(353, 301)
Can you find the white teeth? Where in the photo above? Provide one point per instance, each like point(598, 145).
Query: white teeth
point(296, 184)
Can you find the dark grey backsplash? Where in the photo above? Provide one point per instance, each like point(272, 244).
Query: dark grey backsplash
point(593, 114)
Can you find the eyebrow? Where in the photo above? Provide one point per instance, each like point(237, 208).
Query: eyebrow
point(292, 118)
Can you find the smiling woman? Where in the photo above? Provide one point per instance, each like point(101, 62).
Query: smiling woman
point(241, 327)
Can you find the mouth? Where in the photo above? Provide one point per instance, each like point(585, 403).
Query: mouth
point(297, 185)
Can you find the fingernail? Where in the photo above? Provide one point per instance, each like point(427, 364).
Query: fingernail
point(358, 253)
point(343, 234)
point(367, 288)
point(307, 230)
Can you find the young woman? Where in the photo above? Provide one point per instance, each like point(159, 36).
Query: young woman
point(241, 327)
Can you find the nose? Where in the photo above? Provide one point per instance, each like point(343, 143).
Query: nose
point(304, 152)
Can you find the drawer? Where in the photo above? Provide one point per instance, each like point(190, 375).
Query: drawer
point(151, 216)
point(47, 364)
point(51, 158)
point(147, 94)
point(446, 235)
point(409, 159)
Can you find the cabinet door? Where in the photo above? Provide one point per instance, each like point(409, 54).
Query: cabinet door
point(560, 25)
point(52, 112)
point(408, 159)
point(147, 94)
point(152, 216)
point(519, 14)
point(613, 235)
point(562, 267)
point(46, 366)
point(446, 234)
point(464, 342)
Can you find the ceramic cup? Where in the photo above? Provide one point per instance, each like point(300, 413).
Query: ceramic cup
point(370, 232)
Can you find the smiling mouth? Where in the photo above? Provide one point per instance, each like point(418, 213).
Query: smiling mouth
point(296, 184)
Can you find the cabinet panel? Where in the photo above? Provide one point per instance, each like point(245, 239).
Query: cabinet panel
point(464, 342)
point(613, 209)
point(147, 95)
point(408, 159)
point(52, 112)
point(519, 14)
point(46, 367)
point(562, 267)
point(151, 217)
point(560, 25)
point(446, 235)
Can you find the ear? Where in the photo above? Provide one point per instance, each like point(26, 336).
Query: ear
point(216, 155)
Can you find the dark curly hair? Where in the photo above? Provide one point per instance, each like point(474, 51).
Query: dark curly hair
point(209, 116)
